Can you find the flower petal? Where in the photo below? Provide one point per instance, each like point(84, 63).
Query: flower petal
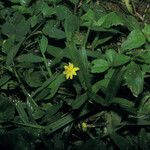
point(66, 67)
point(67, 76)
point(71, 65)
point(76, 69)
point(71, 76)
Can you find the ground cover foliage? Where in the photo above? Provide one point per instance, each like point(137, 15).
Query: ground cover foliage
point(106, 105)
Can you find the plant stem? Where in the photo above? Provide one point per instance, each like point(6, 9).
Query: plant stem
point(86, 37)
point(46, 65)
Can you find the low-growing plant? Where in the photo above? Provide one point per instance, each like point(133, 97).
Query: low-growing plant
point(74, 74)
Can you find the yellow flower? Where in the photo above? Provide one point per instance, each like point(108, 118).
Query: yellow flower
point(84, 125)
point(70, 71)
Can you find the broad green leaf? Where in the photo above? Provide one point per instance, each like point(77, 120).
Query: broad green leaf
point(10, 48)
point(134, 40)
point(33, 20)
point(145, 68)
point(43, 44)
point(145, 57)
point(144, 106)
point(71, 25)
point(12, 53)
point(116, 59)
point(33, 78)
point(62, 11)
point(99, 65)
point(47, 11)
point(88, 18)
point(30, 58)
point(19, 28)
point(54, 51)
point(111, 19)
point(134, 78)
point(8, 45)
point(53, 32)
point(146, 31)
point(131, 22)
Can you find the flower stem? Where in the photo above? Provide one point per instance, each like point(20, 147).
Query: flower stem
point(46, 65)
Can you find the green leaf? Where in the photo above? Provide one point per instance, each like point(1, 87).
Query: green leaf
point(54, 86)
point(4, 79)
point(143, 139)
point(42, 95)
point(71, 25)
point(134, 78)
point(62, 11)
point(145, 68)
point(111, 19)
point(51, 110)
point(120, 141)
point(21, 111)
point(124, 104)
point(64, 121)
point(134, 40)
point(145, 56)
point(79, 101)
point(54, 51)
point(10, 48)
point(43, 44)
point(116, 59)
point(99, 65)
point(146, 31)
point(33, 20)
point(33, 79)
point(47, 11)
point(19, 28)
point(53, 32)
point(88, 18)
point(6, 107)
point(79, 58)
point(114, 83)
point(12, 53)
point(30, 58)
point(22, 2)
point(96, 98)
point(132, 23)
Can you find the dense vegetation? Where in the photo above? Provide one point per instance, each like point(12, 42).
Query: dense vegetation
point(74, 74)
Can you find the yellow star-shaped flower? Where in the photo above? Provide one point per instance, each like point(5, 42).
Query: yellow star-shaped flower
point(70, 71)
